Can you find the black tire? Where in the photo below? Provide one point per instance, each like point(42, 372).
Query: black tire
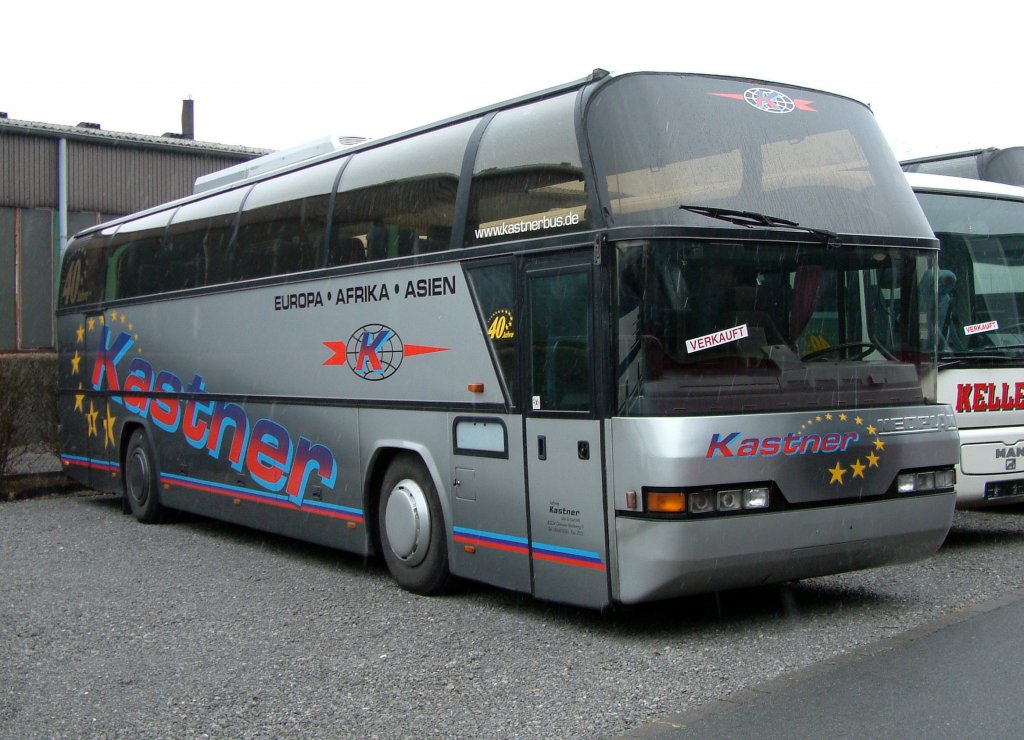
point(141, 480)
point(411, 527)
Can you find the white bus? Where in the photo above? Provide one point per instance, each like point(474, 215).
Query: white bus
point(980, 226)
point(625, 339)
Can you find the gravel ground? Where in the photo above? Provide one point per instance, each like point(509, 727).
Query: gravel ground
point(109, 628)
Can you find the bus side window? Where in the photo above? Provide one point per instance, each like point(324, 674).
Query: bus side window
point(399, 200)
point(283, 223)
point(83, 278)
point(528, 177)
point(494, 294)
point(560, 341)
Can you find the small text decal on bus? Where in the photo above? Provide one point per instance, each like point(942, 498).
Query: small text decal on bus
point(981, 328)
point(717, 338)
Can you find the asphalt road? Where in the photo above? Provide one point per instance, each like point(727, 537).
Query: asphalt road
point(109, 628)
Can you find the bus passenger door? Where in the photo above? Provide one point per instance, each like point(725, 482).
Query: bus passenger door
point(562, 435)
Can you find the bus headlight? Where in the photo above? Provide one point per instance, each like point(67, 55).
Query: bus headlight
point(755, 498)
point(730, 500)
point(702, 502)
point(926, 481)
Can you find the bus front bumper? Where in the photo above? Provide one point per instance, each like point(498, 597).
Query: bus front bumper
point(664, 559)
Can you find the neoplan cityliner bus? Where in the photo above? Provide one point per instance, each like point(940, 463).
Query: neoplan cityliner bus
point(980, 226)
point(624, 339)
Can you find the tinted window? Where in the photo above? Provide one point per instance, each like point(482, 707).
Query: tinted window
point(494, 290)
point(201, 233)
point(83, 271)
point(140, 262)
point(560, 341)
point(528, 179)
point(399, 200)
point(282, 227)
point(662, 141)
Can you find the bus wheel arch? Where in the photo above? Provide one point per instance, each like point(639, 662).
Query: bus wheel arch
point(140, 475)
point(410, 526)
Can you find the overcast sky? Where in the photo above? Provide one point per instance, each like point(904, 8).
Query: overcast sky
point(277, 75)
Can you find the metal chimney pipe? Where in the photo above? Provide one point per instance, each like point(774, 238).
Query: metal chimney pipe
point(188, 121)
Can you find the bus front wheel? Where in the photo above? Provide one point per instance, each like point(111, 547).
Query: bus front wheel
point(411, 526)
point(141, 480)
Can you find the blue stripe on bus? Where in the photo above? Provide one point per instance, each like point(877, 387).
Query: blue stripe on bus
point(567, 555)
point(224, 489)
point(492, 535)
point(492, 540)
point(87, 462)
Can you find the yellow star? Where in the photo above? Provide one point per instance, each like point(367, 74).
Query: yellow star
point(837, 474)
point(131, 328)
point(872, 430)
point(858, 469)
point(80, 334)
point(92, 416)
point(828, 416)
point(79, 398)
point(92, 324)
point(858, 420)
point(872, 460)
point(817, 418)
point(108, 428)
point(103, 320)
point(122, 317)
point(113, 316)
point(842, 417)
point(879, 444)
point(75, 362)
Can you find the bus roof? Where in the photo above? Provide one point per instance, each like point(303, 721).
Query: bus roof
point(962, 185)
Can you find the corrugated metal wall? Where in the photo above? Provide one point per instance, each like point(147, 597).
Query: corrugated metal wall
point(28, 171)
point(106, 178)
point(126, 179)
point(101, 177)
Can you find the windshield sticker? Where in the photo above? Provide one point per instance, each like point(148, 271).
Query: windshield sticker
point(769, 101)
point(717, 338)
point(981, 328)
point(499, 326)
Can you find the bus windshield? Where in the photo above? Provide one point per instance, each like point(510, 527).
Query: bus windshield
point(707, 327)
point(662, 141)
point(981, 275)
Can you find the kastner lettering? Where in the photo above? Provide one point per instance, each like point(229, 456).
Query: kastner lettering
point(790, 444)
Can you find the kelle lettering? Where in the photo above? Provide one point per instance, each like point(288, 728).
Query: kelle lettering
point(978, 397)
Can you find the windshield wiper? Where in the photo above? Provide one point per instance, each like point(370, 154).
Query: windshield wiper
point(947, 361)
point(752, 218)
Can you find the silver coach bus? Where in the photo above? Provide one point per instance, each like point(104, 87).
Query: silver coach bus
point(625, 339)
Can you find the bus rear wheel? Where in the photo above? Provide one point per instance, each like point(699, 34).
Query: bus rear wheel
point(141, 482)
point(411, 526)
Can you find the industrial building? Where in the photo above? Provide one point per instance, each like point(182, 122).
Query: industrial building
point(56, 180)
